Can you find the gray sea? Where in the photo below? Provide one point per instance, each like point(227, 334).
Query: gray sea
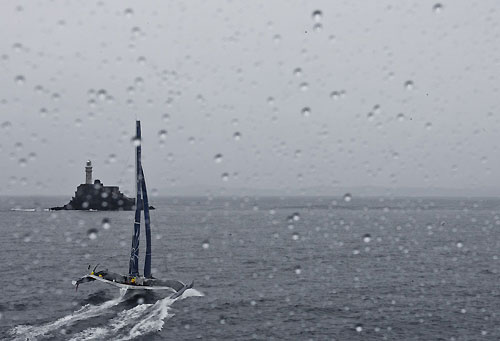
point(264, 268)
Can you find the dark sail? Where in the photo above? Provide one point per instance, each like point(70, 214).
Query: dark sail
point(147, 261)
point(133, 269)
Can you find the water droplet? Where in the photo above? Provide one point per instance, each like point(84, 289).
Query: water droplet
point(225, 176)
point(359, 328)
point(105, 223)
point(166, 117)
point(400, 117)
point(317, 15)
point(20, 79)
point(101, 94)
point(129, 12)
point(296, 216)
point(334, 95)
point(138, 81)
point(276, 38)
point(237, 136)
point(32, 156)
point(409, 85)
point(141, 60)
point(367, 238)
point(297, 72)
point(318, 27)
point(298, 270)
point(22, 162)
point(270, 101)
point(112, 158)
point(6, 125)
point(92, 233)
point(370, 116)
point(140, 300)
point(306, 112)
point(428, 125)
point(437, 8)
point(460, 245)
point(136, 141)
point(163, 134)
point(295, 236)
point(304, 86)
point(136, 31)
point(347, 197)
point(206, 244)
point(218, 158)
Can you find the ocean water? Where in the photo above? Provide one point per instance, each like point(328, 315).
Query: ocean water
point(264, 268)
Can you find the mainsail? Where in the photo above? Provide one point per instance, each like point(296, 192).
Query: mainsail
point(147, 260)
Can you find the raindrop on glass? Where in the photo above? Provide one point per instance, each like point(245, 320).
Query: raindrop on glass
point(206, 244)
point(409, 85)
point(437, 8)
point(105, 223)
point(347, 197)
point(428, 125)
point(92, 233)
point(400, 117)
point(129, 12)
point(317, 14)
point(334, 95)
point(136, 141)
point(359, 328)
point(295, 236)
point(101, 94)
point(23, 162)
point(297, 72)
point(304, 86)
point(298, 270)
point(6, 125)
point(306, 112)
point(225, 176)
point(20, 79)
point(460, 245)
point(367, 238)
point(218, 158)
point(296, 216)
point(237, 136)
point(162, 134)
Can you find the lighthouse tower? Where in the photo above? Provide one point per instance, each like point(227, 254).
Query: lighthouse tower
point(88, 173)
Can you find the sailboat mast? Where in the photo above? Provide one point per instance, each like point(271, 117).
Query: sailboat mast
point(133, 269)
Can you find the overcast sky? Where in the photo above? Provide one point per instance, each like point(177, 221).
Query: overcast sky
point(361, 93)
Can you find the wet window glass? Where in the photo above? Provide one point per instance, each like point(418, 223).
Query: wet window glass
point(236, 170)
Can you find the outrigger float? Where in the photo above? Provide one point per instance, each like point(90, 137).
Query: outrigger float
point(134, 280)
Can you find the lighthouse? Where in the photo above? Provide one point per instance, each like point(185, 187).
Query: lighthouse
point(88, 173)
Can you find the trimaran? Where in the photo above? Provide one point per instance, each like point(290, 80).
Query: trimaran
point(134, 280)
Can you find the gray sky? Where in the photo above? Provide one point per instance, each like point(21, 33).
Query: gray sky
point(417, 86)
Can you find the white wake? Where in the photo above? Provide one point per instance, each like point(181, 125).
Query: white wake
point(126, 325)
point(26, 332)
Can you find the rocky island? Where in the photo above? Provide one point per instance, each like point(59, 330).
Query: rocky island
point(96, 196)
